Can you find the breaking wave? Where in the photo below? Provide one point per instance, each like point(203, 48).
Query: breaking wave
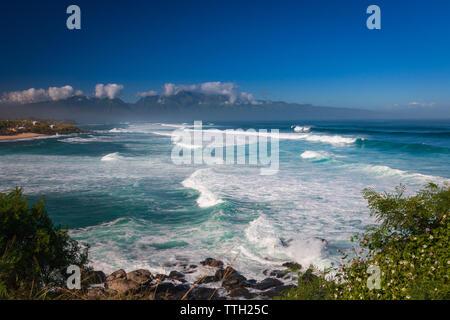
point(207, 198)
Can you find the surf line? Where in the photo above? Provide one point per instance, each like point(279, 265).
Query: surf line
point(218, 147)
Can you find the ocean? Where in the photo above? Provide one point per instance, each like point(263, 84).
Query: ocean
point(118, 190)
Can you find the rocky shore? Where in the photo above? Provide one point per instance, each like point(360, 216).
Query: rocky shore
point(215, 281)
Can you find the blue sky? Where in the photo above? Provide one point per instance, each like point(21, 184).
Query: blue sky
point(317, 52)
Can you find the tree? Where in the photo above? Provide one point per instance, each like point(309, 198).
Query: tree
point(33, 252)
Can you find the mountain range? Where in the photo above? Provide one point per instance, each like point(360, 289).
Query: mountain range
point(183, 106)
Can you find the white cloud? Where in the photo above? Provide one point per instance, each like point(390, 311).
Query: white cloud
point(229, 89)
point(420, 104)
point(38, 95)
point(111, 90)
point(150, 93)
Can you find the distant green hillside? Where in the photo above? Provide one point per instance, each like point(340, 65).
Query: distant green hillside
point(14, 127)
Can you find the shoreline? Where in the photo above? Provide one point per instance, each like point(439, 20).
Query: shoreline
point(20, 136)
point(214, 280)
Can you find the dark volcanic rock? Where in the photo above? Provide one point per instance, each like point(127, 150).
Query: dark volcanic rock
point(141, 276)
point(122, 286)
point(227, 272)
point(268, 283)
point(231, 279)
point(163, 290)
point(207, 279)
point(160, 277)
point(241, 292)
point(276, 291)
point(119, 274)
point(202, 293)
point(292, 265)
point(180, 291)
point(169, 291)
point(176, 275)
point(210, 262)
point(251, 282)
point(277, 273)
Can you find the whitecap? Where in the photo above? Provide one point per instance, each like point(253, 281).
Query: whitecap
point(301, 129)
point(206, 198)
point(317, 155)
point(111, 157)
point(386, 171)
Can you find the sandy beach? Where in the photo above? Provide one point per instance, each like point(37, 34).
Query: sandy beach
point(19, 136)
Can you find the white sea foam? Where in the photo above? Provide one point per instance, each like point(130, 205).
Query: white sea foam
point(329, 139)
point(173, 125)
point(336, 139)
point(196, 181)
point(385, 171)
point(111, 157)
point(120, 130)
point(89, 139)
point(162, 133)
point(318, 155)
point(264, 239)
point(301, 129)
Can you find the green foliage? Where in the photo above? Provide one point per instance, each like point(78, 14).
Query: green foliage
point(409, 245)
point(34, 253)
point(312, 285)
point(11, 127)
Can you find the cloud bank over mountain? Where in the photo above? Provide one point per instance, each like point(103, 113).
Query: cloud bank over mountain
point(207, 100)
point(111, 90)
point(33, 95)
point(229, 89)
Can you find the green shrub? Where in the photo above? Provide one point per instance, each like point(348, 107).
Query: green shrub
point(409, 245)
point(33, 253)
point(312, 285)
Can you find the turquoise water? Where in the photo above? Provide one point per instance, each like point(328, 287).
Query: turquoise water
point(118, 190)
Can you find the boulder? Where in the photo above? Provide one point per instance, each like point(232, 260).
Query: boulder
point(119, 274)
point(227, 272)
point(169, 291)
point(231, 279)
point(180, 291)
point(206, 279)
point(202, 293)
point(163, 290)
point(268, 283)
point(241, 292)
point(160, 277)
point(210, 262)
point(277, 273)
point(292, 265)
point(122, 286)
point(141, 276)
point(175, 275)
